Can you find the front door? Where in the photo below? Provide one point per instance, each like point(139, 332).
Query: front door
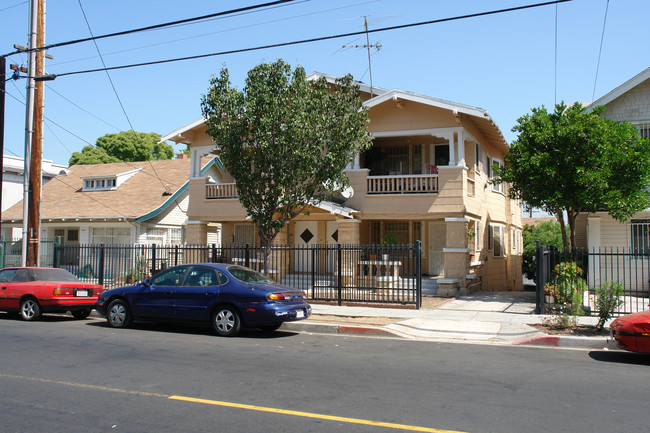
point(437, 241)
point(332, 240)
point(306, 236)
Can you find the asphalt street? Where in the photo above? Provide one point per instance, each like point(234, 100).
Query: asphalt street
point(61, 374)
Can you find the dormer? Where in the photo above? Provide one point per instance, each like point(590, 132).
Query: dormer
point(108, 182)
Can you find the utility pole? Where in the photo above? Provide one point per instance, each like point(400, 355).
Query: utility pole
point(29, 122)
point(35, 171)
point(3, 81)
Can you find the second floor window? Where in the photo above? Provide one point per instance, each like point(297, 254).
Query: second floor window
point(98, 184)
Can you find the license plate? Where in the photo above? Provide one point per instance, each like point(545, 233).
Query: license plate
point(300, 314)
point(81, 293)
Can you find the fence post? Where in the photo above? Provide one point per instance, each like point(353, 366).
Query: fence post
point(247, 256)
point(539, 288)
point(101, 264)
point(214, 253)
point(418, 274)
point(339, 280)
point(58, 250)
point(153, 259)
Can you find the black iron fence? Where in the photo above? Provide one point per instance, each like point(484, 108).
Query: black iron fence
point(344, 273)
point(570, 277)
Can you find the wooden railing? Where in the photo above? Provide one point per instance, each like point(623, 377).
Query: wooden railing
point(403, 184)
point(221, 190)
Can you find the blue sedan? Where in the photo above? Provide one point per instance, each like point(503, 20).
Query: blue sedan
point(229, 297)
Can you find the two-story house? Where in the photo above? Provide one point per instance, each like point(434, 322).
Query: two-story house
point(426, 177)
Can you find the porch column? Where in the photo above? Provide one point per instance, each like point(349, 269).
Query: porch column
point(461, 148)
point(196, 233)
point(593, 243)
point(452, 149)
point(456, 258)
point(349, 233)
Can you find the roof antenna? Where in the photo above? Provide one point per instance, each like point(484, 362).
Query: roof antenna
point(367, 46)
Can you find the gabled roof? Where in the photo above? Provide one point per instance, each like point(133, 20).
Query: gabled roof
point(478, 115)
point(177, 134)
point(155, 187)
point(620, 90)
point(332, 80)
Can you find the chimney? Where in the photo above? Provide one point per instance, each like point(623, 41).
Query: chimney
point(182, 156)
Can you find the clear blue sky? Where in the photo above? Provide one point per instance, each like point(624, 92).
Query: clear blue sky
point(503, 63)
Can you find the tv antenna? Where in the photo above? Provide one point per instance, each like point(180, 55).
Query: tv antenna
point(367, 46)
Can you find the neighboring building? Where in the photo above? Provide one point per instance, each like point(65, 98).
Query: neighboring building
point(13, 178)
point(426, 178)
point(629, 102)
point(124, 203)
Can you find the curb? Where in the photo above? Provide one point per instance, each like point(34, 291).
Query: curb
point(568, 341)
point(328, 328)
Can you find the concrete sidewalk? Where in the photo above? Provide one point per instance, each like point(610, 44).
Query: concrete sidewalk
point(483, 318)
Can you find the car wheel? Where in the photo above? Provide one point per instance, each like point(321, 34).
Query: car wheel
point(118, 314)
point(226, 321)
point(271, 328)
point(81, 314)
point(29, 309)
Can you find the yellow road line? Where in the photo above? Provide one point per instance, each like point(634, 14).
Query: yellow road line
point(238, 405)
point(311, 415)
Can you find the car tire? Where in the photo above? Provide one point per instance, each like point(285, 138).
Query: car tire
point(118, 314)
point(270, 328)
point(29, 309)
point(80, 314)
point(226, 321)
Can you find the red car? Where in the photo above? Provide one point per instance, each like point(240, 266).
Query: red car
point(33, 291)
point(632, 332)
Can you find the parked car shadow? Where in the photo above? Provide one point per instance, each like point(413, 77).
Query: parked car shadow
point(619, 356)
point(51, 317)
point(181, 328)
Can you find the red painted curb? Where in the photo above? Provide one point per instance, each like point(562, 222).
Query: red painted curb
point(546, 340)
point(362, 330)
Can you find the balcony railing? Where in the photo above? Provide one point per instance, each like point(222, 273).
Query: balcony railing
point(403, 184)
point(221, 190)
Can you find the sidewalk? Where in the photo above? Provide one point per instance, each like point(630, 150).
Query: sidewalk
point(501, 318)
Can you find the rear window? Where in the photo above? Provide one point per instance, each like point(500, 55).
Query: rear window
point(25, 275)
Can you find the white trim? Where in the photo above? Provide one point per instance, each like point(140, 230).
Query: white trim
point(456, 250)
point(457, 219)
point(179, 132)
point(427, 100)
point(620, 90)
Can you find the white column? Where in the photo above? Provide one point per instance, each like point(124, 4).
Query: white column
point(452, 149)
point(461, 148)
point(593, 243)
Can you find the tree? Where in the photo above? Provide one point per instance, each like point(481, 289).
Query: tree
point(125, 146)
point(572, 161)
point(285, 140)
point(548, 233)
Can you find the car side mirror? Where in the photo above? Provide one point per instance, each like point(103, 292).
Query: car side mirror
point(147, 282)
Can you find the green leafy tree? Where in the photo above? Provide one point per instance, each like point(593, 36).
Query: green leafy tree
point(285, 140)
point(572, 161)
point(124, 147)
point(548, 233)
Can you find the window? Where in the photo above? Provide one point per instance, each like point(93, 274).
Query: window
point(402, 232)
point(244, 234)
point(99, 184)
point(640, 236)
point(201, 277)
point(644, 129)
point(171, 277)
point(111, 235)
point(497, 187)
point(477, 158)
point(495, 240)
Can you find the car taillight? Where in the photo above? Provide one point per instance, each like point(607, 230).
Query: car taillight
point(284, 296)
point(62, 292)
point(276, 297)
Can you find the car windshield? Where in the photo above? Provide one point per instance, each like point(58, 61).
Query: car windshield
point(248, 275)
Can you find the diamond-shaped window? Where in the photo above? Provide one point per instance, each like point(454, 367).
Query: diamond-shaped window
point(306, 236)
point(335, 236)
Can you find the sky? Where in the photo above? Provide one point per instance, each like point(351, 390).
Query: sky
point(505, 63)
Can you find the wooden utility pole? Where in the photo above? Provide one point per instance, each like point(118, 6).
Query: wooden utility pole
point(35, 171)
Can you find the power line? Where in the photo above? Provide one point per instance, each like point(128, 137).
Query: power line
point(602, 37)
point(13, 6)
point(155, 26)
point(51, 89)
point(318, 39)
point(104, 64)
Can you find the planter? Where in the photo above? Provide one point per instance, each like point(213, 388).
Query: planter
point(549, 299)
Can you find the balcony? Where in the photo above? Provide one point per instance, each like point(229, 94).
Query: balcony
point(221, 190)
point(403, 184)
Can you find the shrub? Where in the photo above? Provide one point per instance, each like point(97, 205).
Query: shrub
point(608, 298)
